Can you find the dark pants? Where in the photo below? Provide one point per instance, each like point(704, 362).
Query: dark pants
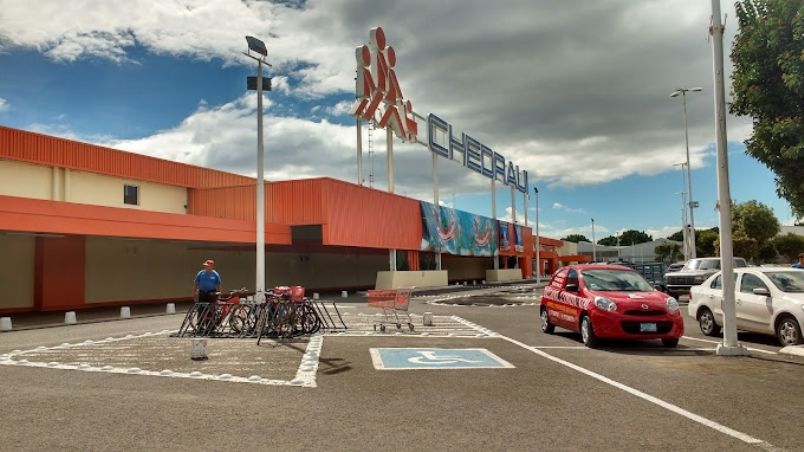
point(207, 296)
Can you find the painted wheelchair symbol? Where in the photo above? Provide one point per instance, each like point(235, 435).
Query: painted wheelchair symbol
point(430, 357)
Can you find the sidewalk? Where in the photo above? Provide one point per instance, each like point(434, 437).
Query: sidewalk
point(34, 320)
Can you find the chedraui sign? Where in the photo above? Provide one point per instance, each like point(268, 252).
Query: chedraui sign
point(380, 99)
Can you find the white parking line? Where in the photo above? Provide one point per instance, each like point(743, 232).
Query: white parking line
point(666, 405)
point(751, 349)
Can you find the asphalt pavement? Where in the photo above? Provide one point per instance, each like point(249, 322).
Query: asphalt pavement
point(558, 395)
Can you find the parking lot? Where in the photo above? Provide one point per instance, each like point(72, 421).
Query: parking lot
point(481, 377)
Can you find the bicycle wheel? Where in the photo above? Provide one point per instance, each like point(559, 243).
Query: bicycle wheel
point(241, 320)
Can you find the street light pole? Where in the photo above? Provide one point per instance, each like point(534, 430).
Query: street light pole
point(538, 245)
point(258, 46)
point(729, 346)
point(691, 235)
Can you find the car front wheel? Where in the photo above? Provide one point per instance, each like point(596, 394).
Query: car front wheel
point(706, 320)
point(588, 333)
point(788, 332)
point(547, 327)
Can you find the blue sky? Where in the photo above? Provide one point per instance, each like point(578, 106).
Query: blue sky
point(587, 113)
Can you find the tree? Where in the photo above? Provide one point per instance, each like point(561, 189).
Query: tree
point(575, 238)
point(668, 253)
point(744, 246)
point(632, 237)
point(756, 220)
point(706, 243)
point(754, 226)
point(677, 236)
point(789, 245)
point(608, 241)
point(768, 85)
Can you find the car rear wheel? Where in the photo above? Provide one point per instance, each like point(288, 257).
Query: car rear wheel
point(547, 327)
point(588, 333)
point(670, 343)
point(787, 331)
point(706, 320)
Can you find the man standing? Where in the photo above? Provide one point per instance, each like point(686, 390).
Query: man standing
point(800, 263)
point(207, 283)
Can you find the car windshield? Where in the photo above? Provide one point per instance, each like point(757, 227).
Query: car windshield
point(615, 280)
point(787, 281)
point(711, 264)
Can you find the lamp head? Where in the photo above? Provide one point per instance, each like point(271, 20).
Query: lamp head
point(256, 45)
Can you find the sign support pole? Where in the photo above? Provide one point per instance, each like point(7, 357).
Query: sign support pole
point(389, 160)
point(359, 151)
point(496, 252)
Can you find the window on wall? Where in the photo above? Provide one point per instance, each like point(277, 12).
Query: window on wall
point(131, 195)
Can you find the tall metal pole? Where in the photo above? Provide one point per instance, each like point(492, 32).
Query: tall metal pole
point(260, 283)
point(359, 125)
point(435, 202)
point(513, 206)
point(730, 346)
point(495, 253)
point(389, 165)
point(691, 234)
point(538, 245)
point(525, 198)
point(594, 244)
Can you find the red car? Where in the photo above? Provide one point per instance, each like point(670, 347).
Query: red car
point(609, 302)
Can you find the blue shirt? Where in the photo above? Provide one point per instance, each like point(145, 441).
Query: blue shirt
point(207, 281)
point(797, 265)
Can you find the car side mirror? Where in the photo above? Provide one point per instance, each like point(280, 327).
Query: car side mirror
point(572, 287)
point(761, 291)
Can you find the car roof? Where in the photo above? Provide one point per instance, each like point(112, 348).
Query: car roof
point(584, 267)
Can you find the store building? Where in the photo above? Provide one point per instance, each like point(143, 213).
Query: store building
point(83, 225)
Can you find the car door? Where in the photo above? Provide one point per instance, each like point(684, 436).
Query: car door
point(711, 296)
point(551, 298)
point(754, 312)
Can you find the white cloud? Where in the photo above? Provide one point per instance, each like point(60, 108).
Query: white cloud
point(559, 206)
point(576, 93)
point(224, 137)
point(339, 109)
point(4, 106)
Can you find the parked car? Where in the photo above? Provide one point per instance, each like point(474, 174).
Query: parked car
point(768, 300)
point(603, 301)
point(675, 266)
point(694, 272)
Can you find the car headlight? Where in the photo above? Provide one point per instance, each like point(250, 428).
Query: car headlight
point(672, 304)
point(605, 304)
point(699, 279)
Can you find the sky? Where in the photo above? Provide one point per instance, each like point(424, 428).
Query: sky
point(576, 93)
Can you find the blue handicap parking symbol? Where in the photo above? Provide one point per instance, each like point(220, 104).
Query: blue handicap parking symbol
point(436, 358)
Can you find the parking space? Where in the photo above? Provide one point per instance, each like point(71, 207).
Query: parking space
point(475, 370)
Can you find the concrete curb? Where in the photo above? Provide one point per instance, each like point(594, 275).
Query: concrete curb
point(795, 350)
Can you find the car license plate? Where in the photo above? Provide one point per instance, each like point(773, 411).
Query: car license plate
point(647, 327)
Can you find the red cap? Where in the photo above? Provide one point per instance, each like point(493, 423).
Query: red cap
point(209, 262)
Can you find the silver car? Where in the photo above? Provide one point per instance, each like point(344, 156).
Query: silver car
point(769, 300)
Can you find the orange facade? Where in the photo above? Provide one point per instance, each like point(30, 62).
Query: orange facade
point(220, 208)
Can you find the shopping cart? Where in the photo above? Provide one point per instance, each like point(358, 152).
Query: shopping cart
point(391, 301)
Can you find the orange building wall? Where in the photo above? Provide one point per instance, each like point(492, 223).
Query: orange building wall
point(33, 147)
point(34, 215)
point(361, 216)
point(59, 281)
